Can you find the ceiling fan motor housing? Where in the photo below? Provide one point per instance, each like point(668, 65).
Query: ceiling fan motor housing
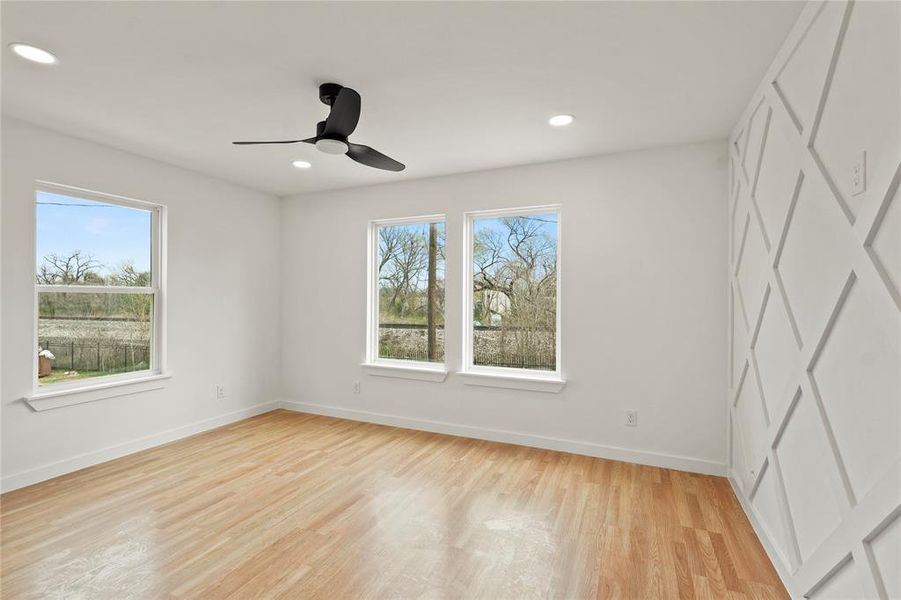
point(328, 92)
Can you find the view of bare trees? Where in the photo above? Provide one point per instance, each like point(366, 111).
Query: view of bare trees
point(98, 332)
point(76, 268)
point(515, 291)
point(411, 290)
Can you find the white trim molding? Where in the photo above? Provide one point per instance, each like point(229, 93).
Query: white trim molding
point(815, 314)
point(654, 459)
point(518, 380)
point(89, 459)
point(100, 389)
point(417, 370)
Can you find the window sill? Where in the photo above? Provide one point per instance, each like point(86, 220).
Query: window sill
point(535, 383)
point(46, 399)
point(419, 372)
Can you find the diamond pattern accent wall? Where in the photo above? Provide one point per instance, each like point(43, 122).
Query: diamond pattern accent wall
point(815, 397)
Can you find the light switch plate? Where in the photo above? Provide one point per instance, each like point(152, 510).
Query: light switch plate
point(859, 174)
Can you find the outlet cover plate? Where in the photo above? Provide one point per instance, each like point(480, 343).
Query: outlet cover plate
point(859, 174)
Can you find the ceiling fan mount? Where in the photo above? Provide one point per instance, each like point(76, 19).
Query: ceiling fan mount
point(331, 134)
point(328, 92)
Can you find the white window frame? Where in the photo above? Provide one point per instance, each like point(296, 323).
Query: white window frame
point(94, 388)
point(387, 367)
point(528, 379)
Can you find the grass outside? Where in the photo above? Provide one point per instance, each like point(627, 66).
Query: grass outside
point(388, 320)
point(63, 375)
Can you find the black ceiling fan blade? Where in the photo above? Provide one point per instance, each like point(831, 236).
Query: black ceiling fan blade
point(344, 116)
point(373, 158)
point(308, 140)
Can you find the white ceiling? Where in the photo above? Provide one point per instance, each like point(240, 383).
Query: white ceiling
point(447, 87)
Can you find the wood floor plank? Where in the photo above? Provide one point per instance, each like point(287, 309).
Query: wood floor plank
point(288, 505)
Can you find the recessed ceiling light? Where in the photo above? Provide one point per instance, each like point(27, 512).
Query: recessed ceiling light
point(33, 53)
point(561, 120)
point(301, 164)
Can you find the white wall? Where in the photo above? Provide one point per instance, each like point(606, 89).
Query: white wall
point(222, 307)
point(816, 304)
point(643, 301)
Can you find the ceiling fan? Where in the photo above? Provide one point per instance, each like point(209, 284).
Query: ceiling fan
point(331, 134)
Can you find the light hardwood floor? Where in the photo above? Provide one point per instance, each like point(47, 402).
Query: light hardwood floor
point(290, 505)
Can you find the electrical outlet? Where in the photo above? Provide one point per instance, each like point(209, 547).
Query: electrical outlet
point(859, 174)
point(220, 392)
point(631, 418)
point(356, 387)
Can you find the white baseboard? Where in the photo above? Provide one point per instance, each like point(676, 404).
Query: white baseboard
point(51, 470)
point(667, 461)
point(779, 561)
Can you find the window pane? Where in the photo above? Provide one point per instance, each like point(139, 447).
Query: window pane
point(411, 291)
point(515, 292)
point(92, 335)
point(84, 242)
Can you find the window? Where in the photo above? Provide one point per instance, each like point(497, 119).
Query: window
point(98, 270)
point(512, 293)
point(406, 292)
